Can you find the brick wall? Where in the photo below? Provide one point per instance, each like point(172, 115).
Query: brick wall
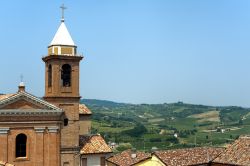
point(42, 146)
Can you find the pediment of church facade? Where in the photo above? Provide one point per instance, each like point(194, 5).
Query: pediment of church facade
point(24, 101)
point(22, 104)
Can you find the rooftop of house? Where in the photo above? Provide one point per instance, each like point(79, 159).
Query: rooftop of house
point(84, 110)
point(126, 158)
point(93, 144)
point(237, 153)
point(188, 156)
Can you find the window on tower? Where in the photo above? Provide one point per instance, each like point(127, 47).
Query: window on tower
point(21, 142)
point(66, 75)
point(50, 76)
point(66, 122)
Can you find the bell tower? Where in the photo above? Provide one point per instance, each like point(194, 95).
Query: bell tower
point(62, 89)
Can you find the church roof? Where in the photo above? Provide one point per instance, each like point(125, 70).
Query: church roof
point(237, 153)
point(93, 144)
point(43, 107)
point(84, 110)
point(62, 36)
point(4, 96)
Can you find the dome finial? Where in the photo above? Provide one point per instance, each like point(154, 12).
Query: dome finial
point(63, 8)
point(21, 87)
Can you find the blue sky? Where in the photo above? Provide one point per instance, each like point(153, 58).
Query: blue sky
point(136, 51)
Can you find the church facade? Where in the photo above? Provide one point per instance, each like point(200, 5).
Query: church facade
point(50, 131)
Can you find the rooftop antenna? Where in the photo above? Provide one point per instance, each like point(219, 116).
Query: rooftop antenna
point(63, 8)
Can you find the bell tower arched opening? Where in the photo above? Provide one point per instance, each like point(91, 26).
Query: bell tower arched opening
point(49, 76)
point(66, 75)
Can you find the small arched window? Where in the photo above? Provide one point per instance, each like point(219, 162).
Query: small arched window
point(49, 76)
point(21, 143)
point(66, 75)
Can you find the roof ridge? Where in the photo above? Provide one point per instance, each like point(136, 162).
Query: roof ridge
point(41, 100)
point(32, 97)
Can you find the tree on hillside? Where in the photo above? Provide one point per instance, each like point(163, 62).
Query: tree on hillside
point(137, 131)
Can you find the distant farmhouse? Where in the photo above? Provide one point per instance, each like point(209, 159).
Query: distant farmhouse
point(55, 130)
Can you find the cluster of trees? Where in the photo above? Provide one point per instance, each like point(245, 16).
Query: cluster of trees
point(169, 139)
point(186, 133)
point(137, 131)
point(124, 146)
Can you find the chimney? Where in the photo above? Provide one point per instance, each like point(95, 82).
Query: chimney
point(133, 153)
point(21, 87)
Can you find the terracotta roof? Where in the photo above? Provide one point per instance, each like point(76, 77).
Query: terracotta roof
point(125, 159)
point(238, 153)
point(5, 164)
point(4, 96)
point(83, 109)
point(92, 144)
point(189, 156)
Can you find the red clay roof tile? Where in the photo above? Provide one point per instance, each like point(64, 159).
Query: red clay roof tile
point(125, 159)
point(93, 144)
point(238, 153)
point(189, 156)
point(83, 110)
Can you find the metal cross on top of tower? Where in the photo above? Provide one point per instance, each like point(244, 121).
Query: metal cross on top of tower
point(63, 8)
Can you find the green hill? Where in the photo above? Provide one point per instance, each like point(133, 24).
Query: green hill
point(153, 125)
point(102, 103)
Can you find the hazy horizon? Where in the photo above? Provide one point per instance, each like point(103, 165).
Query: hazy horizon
point(142, 51)
point(120, 102)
